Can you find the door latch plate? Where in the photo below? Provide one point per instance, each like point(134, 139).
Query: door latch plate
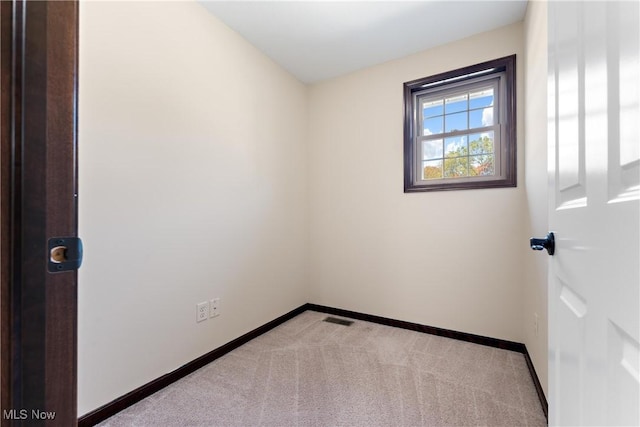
point(64, 254)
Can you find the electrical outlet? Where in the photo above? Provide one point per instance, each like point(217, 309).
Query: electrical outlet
point(535, 324)
point(215, 307)
point(202, 311)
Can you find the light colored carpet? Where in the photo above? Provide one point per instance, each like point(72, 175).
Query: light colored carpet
point(307, 372)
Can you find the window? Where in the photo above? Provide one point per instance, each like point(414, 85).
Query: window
point(460, 128)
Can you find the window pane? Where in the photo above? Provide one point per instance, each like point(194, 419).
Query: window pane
point(432, 108)
point(456, 146)
point(481, 98)
point(456, 103)
point(432, 149)
point(480, 143)
point(480, 118)
point(457, 121)
point(432, 169)
point(481, 165)
point(459, 128)
point(432, 126)
point(456, 167)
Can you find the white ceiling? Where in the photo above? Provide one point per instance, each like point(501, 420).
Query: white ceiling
point(317, 40)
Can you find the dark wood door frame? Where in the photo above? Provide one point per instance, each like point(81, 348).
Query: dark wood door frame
point(39, 201)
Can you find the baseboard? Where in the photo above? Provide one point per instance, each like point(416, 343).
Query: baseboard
point(462, 336)
point(102, 413)
point(536, 383)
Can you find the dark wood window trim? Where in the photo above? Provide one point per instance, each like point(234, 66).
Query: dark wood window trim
point(507, 65)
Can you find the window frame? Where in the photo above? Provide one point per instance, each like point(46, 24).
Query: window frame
point(506, 175)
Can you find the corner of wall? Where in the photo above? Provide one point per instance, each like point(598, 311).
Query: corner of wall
point(536, 211)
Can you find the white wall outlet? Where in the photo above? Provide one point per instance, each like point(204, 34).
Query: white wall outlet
point(535, 324)
point(215, 307)
point(202, 311)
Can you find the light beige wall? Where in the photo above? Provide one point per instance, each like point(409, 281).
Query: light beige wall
point(446, 259)
point(536, 222)
point(195, 151)
point(193, 186)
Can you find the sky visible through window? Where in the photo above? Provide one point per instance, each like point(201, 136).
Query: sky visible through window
point(473, 152)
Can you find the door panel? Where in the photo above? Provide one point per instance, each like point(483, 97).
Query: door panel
point(571, 324)
point(622, 376)
point(623, 43)
point(570, 83)
point(594, 210)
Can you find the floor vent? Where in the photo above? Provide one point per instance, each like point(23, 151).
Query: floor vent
point(338, 321)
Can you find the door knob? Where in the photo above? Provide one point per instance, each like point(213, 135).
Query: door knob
point(548, 243)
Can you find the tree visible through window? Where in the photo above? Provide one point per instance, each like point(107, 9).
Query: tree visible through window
point(460, 128)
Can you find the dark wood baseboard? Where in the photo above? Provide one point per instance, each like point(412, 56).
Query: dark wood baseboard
point(102, 413)
point(123, 402)
point(462, 336)
point(536, 383)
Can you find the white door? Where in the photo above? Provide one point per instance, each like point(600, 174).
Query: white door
point(594, 276)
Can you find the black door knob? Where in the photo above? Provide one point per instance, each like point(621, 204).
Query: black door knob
point(548, 243)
